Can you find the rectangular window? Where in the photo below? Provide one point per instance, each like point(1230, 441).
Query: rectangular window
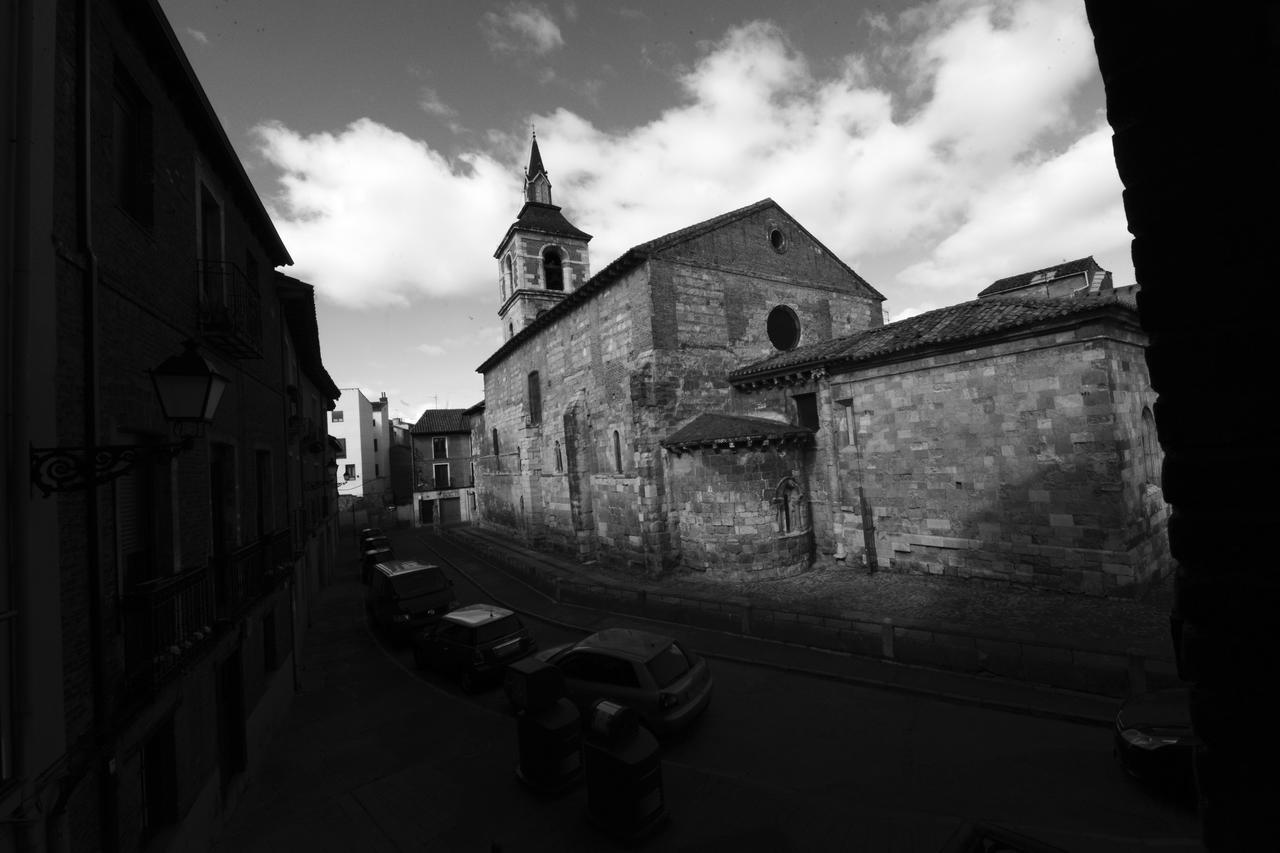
point(270, 650)
point(439, 448)
point(342, 447)
point(263, 480)
point(441, 474)
point(131, 143)
point(375, 445)
point(349, 473)
point(336, 417)
point(377, 470)
point(807, 410)
point(213, 287)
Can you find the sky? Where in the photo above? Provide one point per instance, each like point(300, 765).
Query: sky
point(933, 147)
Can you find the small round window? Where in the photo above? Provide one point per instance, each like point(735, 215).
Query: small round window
point(783, 327)
point(777, 240)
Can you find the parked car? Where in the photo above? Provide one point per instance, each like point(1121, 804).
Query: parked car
point(667, 684)
point(376, 549)
point(1154, 741)
point(405, 596)
point(475, 642)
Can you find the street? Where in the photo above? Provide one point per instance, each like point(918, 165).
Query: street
point(927, 759)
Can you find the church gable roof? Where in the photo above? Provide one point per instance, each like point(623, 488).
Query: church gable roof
point(1041, 276)
point(942, 327)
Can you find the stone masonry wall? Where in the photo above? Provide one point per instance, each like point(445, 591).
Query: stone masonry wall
point(1006, 462)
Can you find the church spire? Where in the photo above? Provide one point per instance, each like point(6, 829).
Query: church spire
point(537, 186)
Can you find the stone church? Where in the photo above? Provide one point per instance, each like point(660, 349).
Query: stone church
point(727, 399)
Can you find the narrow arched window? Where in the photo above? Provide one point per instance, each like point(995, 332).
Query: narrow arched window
point(553, 269)
point(559, 459)
point(617, 452)
point(535, 399)
point(497, 459)
point(508, 276)
point(519, 459)
point(511, 330)
point(791, 507)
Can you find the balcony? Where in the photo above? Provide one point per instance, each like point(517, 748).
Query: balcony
point(250, 572)
point(230, 310)
point(166, 622)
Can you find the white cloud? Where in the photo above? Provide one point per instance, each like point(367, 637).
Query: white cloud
point(197, 35)
point(946, 160)
point(522, 28)
point(432, 104)
point(373, 218)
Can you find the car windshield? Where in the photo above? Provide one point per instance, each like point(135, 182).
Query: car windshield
point(668, 665)
point(497, 629)
point(421, 582)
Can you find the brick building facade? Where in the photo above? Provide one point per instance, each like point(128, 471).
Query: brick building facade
point(726, 399)
point(154, 597)
point(443, 467)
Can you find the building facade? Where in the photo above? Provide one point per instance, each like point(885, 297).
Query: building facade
point(363, 428)
point(444, 467)
point(727, 399)
point(157, 577)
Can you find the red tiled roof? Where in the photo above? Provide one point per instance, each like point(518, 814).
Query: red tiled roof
point(436, 421)
point(955, 323)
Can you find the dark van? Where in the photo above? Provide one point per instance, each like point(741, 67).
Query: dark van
point(405, 595)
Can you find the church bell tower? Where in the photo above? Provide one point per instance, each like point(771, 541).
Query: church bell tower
point(542, 258)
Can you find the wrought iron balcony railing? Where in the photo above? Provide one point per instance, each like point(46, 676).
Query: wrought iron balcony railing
point(248, 573)
point(166, 622)
point(230, 309)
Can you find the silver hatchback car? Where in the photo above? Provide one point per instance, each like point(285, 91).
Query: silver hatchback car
point(667, 684)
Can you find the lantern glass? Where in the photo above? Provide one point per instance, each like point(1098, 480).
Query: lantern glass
point(188, 387)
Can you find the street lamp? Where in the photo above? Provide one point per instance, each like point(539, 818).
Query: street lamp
point(189, 390)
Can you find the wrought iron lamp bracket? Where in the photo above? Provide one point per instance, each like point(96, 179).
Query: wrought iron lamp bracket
point(69, 469)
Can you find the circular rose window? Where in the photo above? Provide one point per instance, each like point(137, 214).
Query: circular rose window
point(783, 327)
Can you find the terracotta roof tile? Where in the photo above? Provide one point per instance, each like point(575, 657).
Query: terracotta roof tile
point(435, 421)
point(1062, 270)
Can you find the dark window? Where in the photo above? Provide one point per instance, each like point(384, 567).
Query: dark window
point(617, 452)
point(270, 651)
point(778, 240)
point(159, 780)
point(495, 443)
point(131, 139)
point(439, 448)
point(783, 327)
point(342, 449)
point(668, 665)
point(336, 417)
point(497, 629)
point(375, 445)
point(349, 473)
point(251, 269)
point(559, 458)
point(535, 398)
point(212, 285)
point(377, 470)
point(1150, 448)
point(807, 410)
point(441, 474)
point(263, 483)
point(553, 270)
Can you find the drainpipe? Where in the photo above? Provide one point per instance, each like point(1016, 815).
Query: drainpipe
point(100, 761)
